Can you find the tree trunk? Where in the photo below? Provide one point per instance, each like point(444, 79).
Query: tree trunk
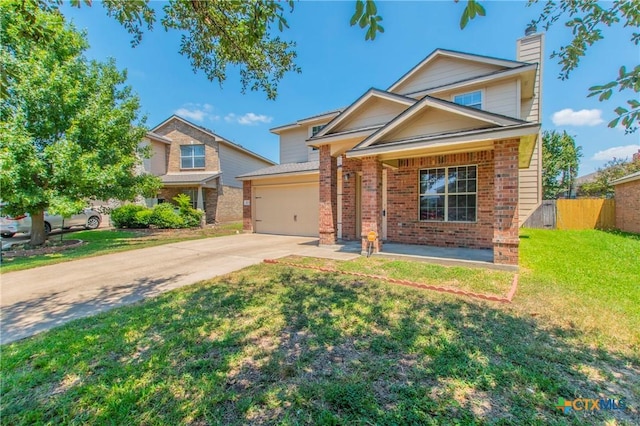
point(38, 236)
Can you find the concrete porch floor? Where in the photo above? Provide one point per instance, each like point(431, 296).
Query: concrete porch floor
point(448, 256)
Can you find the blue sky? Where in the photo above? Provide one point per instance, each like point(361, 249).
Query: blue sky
point(338, 65)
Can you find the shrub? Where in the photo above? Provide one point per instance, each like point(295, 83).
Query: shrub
point(164, 216)
point(143, 218)
point(126, 216)
point(191, 216)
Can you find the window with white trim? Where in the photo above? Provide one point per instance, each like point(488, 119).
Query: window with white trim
point(192, 156)
point(449, 194)
point(316, 129)
point(471, 99)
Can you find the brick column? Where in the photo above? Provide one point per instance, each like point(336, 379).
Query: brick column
point(505, 213)
point(350, 169)
point(247, 219)
point(371, 200)
point(328, 196)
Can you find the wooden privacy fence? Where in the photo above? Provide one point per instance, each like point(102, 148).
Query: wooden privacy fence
point(581, 213)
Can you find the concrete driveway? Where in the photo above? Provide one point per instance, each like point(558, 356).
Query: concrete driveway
point(38, 299)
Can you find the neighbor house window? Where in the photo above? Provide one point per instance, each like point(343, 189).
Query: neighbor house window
point(192, 157)
point(471, 99)
point(449, 194)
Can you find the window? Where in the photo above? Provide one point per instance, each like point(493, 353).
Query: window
point(192, 157)
point(449, 194)
point(471, 99)
point(316, 129)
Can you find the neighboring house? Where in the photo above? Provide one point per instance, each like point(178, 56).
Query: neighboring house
point(627, 196)
point(448, 155)
point(192, 160)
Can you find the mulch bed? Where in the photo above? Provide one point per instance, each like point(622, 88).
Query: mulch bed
point(23, 250)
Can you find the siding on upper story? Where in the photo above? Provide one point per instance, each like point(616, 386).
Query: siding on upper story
point(499, 98)
point(531, 49)
point(373, 111)
point(234, 162)
point(293, 144)
point(157, 163)
point(433, 121)
point(444, 70)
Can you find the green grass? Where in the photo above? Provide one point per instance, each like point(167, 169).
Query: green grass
point(279, 345)
point(110, 241)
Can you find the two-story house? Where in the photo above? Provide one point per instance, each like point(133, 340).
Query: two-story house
point(447, 155)
point(193, 160)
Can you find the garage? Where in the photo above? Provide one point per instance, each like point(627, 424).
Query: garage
point(290, 209)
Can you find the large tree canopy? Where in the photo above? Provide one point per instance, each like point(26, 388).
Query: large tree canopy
point(560, 157)
point(69, 128)
point(216, 34)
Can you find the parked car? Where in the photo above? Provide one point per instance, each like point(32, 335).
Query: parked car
point(88, 219)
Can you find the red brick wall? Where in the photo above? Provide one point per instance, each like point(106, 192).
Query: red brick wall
point(506, 175)
point(628, 206)
point(247, 220)
point(350, 168)
point(371, 199)
point(403, 224)
point(328, 214)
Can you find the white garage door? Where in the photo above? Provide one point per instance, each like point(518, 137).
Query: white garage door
point(287, 209)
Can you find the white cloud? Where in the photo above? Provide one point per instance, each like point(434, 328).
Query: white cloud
point(625, 151)
point(249, 119)
point(584, 117)
point(197, 112)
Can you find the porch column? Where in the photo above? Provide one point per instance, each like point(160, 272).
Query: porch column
point(199, 202)
point(371, 201)
point(247, 199)
point(328, 213)
point(505, 211)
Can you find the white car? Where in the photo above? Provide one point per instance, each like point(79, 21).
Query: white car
point(88, 219)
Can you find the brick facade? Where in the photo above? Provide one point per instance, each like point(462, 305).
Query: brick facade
point(229, 204)
point(247, 219)
point(182, 134)
point(328, 213)
point(403, 215)
point(628, 206)
point(505, 228)
point(371, 201)
point(350, 169)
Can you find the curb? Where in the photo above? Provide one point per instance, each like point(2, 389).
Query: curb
point(490, 297)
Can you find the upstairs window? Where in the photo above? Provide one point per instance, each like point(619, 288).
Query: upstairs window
point(316, 129)
point(192, 157)
point(449, 194)
point(471, 99)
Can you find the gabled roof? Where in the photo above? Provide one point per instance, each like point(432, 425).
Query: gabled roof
point(306, 120)
point(217, 137)
point(428, 101)
point(438, 53)
point(159, 138)
point(308, 167)
point(358, 104)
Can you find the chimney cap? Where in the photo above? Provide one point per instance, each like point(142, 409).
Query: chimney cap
point(531, 29)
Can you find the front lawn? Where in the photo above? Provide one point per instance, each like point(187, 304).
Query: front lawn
point(274, 344)
point(110, 241)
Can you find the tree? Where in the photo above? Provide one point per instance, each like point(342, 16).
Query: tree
point(612, 170)
point(216, 34)
point(560, 158)
point(68, 127)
